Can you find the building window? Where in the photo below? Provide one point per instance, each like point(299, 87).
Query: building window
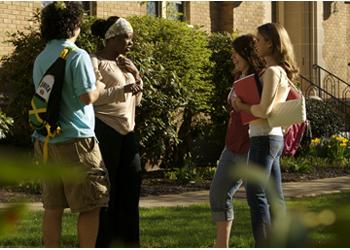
point(176, 10)
point(154, 8)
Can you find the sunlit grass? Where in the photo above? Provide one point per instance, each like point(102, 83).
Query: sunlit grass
point(180, 227)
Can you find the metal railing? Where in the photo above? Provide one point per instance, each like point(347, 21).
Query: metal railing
point(332, 83)
point(314, 91)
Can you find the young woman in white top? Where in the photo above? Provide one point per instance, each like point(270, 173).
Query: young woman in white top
point(266, 143)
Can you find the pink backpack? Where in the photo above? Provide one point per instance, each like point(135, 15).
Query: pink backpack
point(293, 137)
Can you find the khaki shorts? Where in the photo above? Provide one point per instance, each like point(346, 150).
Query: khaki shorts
point(92, 191)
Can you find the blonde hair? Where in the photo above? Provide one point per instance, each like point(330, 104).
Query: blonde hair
point(282, 48)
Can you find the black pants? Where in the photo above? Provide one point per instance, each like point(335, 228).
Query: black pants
point(119, 223)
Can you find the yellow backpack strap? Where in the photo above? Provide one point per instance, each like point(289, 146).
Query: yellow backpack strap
point(46, 149)
point(65, 52)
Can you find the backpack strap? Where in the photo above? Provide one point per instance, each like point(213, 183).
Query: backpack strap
point(292, 85)
point(64, 55)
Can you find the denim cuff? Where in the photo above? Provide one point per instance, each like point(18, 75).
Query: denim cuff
point(227, 215)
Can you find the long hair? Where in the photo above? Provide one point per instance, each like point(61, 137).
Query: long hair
point(282, 48)
point(245, 46)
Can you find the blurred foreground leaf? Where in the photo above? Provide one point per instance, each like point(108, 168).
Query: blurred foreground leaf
point(15, 169)
point(9, 217)
point(24, 169)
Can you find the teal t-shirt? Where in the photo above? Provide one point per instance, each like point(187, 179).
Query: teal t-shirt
point(77, 119)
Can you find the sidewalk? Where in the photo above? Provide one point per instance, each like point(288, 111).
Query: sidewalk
point(291, 190)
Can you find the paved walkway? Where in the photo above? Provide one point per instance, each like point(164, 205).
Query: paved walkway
point(291, 190)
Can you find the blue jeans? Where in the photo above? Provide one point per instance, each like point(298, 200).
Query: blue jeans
point(265, 151)
point(224, 186)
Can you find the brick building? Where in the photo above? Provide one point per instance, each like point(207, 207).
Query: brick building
point(320, 31)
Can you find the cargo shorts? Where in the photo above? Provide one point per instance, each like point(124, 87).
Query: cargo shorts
point(87, 193)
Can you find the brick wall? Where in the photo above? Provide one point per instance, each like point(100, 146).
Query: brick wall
point(199, 14)
point(105, 9)
point(336, 50)
point(14, 16)
point(212, 16)
point(249, 15)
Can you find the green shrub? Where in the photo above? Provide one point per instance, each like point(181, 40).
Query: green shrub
point(301, 164)
point(207, 148)
point(222, 78)
point(306, 164)
point(188, 174)
point(174, 61)
point(6, 124)
point(323, 118)
point(16, 80)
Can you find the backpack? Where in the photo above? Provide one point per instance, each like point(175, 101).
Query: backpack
point(46, 102)
point(293, 137)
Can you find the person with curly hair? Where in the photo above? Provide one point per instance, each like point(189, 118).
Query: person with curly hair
point(224, 186)
point(120, 87)
point(76, 145)
point(266, 143)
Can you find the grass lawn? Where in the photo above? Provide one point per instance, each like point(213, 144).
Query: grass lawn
point(180, 227)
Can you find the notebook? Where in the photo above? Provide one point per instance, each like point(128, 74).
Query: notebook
point(248, 90)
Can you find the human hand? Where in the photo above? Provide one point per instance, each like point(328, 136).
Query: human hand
point(132, 88)
point(236, 103)
point(128, 66)
point(100, 85)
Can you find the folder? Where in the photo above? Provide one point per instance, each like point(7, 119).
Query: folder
point(249, 91)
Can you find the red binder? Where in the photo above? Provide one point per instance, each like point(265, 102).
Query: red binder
point(247, 90)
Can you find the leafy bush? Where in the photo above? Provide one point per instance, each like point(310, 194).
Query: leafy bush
point(301, 164)
point(207, 148)
point(173, 60)
point(16, 80)
point(222, 77)
point(190, 174)
point(323, 118)
point(306, 164)
point(5, 124)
